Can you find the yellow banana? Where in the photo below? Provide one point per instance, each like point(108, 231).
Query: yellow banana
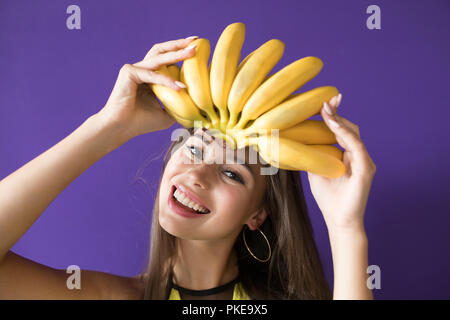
point(174, 71)
point(278, 86)
point(224, 66)
point(196, 78)
point(328, 149)
point(184, 122)
point(289, 154)
point(182, 73)
point(310, 132)
point(178, 103)
point(293, 155)
point(251, 75)
point(242, 104)
point(243, 62)
point(294, 110)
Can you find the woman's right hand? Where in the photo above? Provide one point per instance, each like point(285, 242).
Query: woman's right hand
point(132, 106)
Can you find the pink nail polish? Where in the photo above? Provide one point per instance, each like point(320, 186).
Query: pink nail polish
point(333, 101)
point(327, 108)
point(339, 98)
point(190, 46)
point(180, 84)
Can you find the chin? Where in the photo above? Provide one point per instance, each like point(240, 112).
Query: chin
point(172, 226)
point(166, 222)
point(167, 225)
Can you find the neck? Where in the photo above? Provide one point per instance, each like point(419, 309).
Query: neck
point(204, 264)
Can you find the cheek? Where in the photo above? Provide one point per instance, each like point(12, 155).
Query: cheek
point(179, 158)
point(175, 164)
point(170, 170)
point(232, 204)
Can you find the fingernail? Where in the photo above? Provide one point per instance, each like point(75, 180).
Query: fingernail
point(334, 123)
point(191, 46)
point(180, 84)
point(327, 108)
point(192, 37)
point(339, 98)
point(333, 101)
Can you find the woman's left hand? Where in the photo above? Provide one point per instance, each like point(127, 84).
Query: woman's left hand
point(343, 200)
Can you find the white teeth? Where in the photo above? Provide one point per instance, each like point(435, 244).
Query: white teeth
point(181, 197)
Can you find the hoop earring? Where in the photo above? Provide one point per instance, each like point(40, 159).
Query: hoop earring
point(268, 244)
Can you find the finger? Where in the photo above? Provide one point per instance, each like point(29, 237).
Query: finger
point(140, 75)
point(348, 139)
point(171, 45)
point(333, 104)
point(335, 101)
point(157, 61)
point(351, 125)
point(327, 116)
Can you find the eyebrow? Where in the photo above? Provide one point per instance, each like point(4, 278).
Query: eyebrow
point(207, 141)
point(202, 137)
point(248, 167)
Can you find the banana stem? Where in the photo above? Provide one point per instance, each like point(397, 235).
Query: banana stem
point(213, 117)
point(233, 120)
point(223, 116)
point(241, 124)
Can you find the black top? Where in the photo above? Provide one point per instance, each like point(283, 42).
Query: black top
point(206, 292)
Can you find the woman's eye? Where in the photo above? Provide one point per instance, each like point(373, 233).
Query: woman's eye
point(195, 151)
point(234, 176)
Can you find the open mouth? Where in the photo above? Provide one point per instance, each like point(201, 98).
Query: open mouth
point(183, 201)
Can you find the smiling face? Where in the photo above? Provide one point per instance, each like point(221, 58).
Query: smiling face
point(206, 194)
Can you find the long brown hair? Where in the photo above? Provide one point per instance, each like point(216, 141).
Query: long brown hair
point(294, 270)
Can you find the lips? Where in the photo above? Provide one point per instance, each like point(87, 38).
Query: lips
point(181, 209)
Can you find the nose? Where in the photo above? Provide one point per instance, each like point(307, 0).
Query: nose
point(200, 176)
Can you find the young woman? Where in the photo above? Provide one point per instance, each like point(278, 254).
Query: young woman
point(251, 236)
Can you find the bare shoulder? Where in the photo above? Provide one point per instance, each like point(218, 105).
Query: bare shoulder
point(22, 278)
point(122, 288)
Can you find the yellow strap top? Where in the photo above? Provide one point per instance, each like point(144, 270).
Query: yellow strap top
point(238, 293)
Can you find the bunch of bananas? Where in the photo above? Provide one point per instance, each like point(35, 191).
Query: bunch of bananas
point(241, 104)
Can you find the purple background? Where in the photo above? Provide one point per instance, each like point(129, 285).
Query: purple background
point(395, 86)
